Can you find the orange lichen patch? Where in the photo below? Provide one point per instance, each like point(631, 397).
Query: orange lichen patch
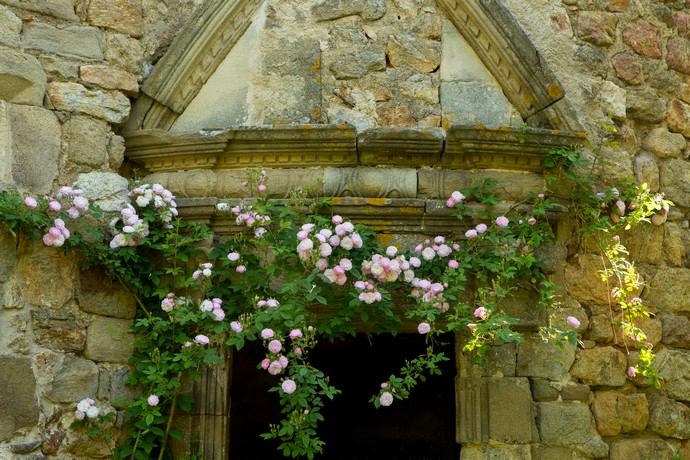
point(377, 201)
point(318, 79)
point(385, 239)
point(555, 90)
point(343, 126)
point(316, 113)
point(556, 132)
point(307, 127)
point(316, 66)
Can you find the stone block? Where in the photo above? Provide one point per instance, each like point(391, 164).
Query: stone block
point(357, 64)
point(641, 449)
point(124, 52)
point(369, 10)
point(475, 103)
point(681, 21)
point(497, 452)
point(583, 282)
point(542, 390)
point(417, 54)
point(676, 331)
point(58, 331)
point(633, 412)
point(116, 151)
point(121, 15)
point(674, 368)
point(674, 248)
point(597, 27)
point(669, 418)
point(22, 80)
point(646, 170)
point(74, 41)
point(74, 380)
point(61, 9)
point(109, 77)
point(105, 189)
point(86, 140)
point(565, 424)
point(111, 106)
point(576, 392)
point(8, 254)
point(10, 26)
point(643, 37)
point(644, 104)
point(511, 417)
point(613, 100)
point(600, 366)
point(107, 340)
point(605, 411)
point(537, 358)
point(678, 54)
point(99, 295)
point(34, 147)
point(18, 401)
point(120, 390)
point(627, 68)
point(48, 278)
point(551, 453)
point(669, 289)
point(678, 117)
point(664, 144)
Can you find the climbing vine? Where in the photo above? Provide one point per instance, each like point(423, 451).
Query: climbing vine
point(295, 273)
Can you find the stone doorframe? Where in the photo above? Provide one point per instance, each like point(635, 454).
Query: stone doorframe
point(393, 180)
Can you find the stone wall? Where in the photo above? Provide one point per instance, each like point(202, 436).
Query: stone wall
point(71, 70)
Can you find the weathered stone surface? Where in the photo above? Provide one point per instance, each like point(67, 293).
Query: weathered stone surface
point(678, 117)
point(420, 87)
point(85, 447)
point(59, 68)
point(542, 390)
point(616, 5)
point(107, 340)
point(407, 51)
point(116, 151)
point(678, 54)
point(593, 60)
point(627, 68)
point(583, 281)
point(676, 330)
point(8, 254)
point(647, 170)
point(76, 379)
point(358, 64)
point(600, 329)
point(17, 396)
point(107, 190)
point(47, 269)
point(540, 452)
point(74, 41)
point(641, 449)
point(613, 100)
point(674, 248)
point(681, 21)
point(10, 26)
point(35, 147)
point(674, 176)
point(597, 27)
point(369, 10)
point(643, 37)
point(576, 392)
point(664, 144)
point(98, 295)
point(61, 9)
point(510, 410)
point(645, 244)
point(600, 366)
point(563, 424)
point(674, 368)
point(124, 52)
point(108, 77)
point(537, 358)
point(86, 140)
point(471, 103)
point(22, 79)
point(669, 290)
point(669, 418)
point(58, 331)
point(119, 389)
point(644, 104)
point(514, 452)
point(604, 409)
point(111, 106)
point(121, 15)
point(633, 412)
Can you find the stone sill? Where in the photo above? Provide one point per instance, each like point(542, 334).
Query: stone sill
point(458, 147)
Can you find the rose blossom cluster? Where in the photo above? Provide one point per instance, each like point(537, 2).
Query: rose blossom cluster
point(368, 293)
point(245, 215)
point(455, 198)
point(86, 408)
point(324, 241)
point(213, 306)
point(133, 228)
point(430, 292)
point(389, 267)
point(57, 234)
point(158, 197)
point(170, 302)
point(429, 250)
point(275, 362)
point(203, 270)
point(71, 198)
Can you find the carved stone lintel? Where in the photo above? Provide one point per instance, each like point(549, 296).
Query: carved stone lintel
point(371, 182)
point(399, 146)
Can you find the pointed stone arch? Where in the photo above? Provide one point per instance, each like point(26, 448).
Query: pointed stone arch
point(488, 27)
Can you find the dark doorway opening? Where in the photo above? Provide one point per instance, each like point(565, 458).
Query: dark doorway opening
point(420, 428)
